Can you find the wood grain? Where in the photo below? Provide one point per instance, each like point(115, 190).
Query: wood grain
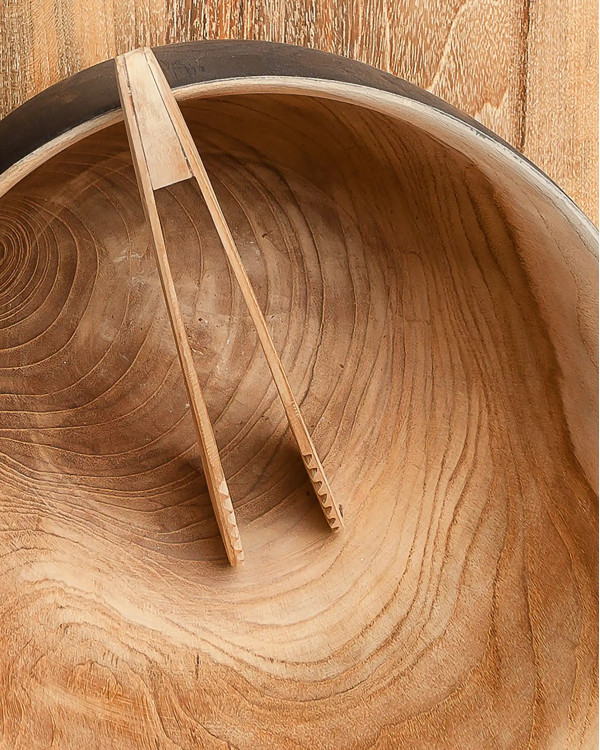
point(527, 70)
point(434, 307)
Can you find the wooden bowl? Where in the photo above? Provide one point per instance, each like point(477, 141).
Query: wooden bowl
point(432, 296)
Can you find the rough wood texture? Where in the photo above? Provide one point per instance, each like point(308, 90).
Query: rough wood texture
point(527, 70)
point(433, 302)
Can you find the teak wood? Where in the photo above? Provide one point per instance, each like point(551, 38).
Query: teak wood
point(163, 142)
point(433, 300)
point(159, 160)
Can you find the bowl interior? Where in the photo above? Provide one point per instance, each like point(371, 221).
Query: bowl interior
point(390, 271)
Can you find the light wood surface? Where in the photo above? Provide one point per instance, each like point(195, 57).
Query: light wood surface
point(159, 161)
point(433, 300)
point(527, 70)
point(189, 163)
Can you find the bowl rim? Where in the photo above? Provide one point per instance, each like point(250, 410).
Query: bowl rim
point(88, 102)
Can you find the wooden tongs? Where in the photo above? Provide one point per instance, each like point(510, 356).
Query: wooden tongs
point(164, 153)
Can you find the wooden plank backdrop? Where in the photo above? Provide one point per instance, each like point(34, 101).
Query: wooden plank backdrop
point(528, 70)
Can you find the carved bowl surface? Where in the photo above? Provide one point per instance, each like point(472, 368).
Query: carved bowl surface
point(431, 296)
